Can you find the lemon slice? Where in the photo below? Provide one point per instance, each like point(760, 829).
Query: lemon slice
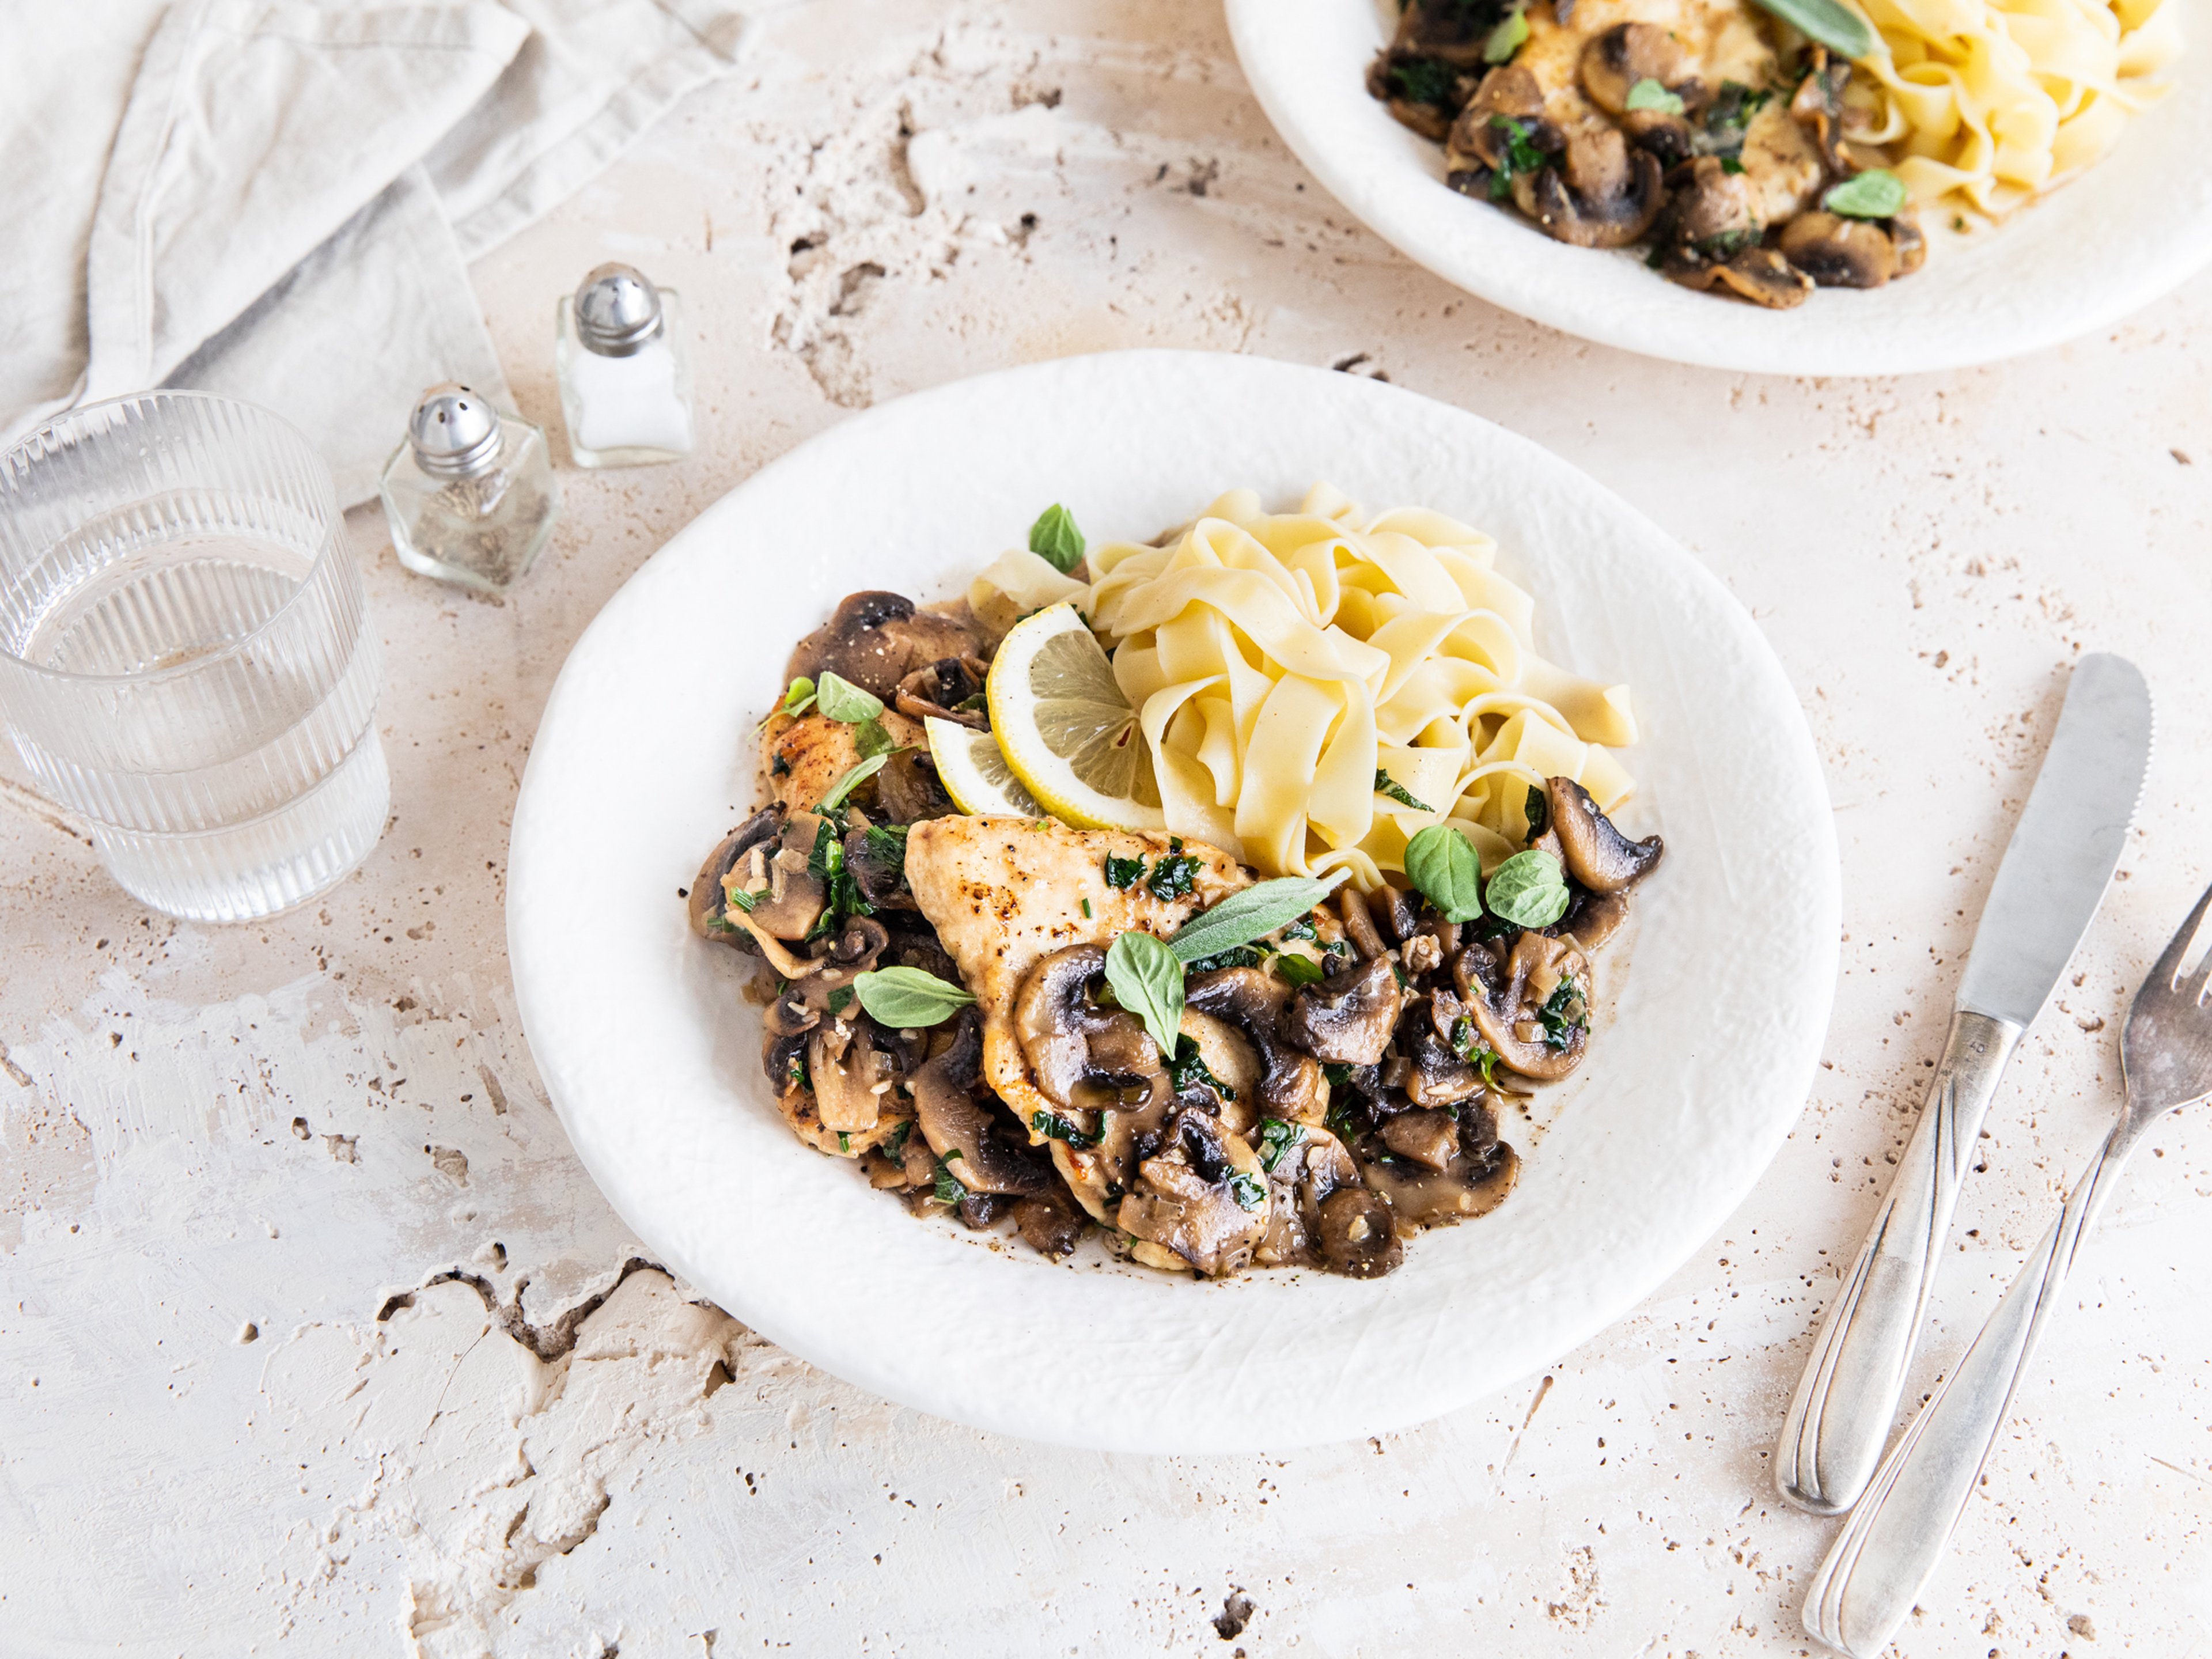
point(974, 774)
point(1067, 730)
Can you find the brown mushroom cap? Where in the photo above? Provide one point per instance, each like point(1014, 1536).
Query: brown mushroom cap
point(707, 900)
point(1609, 197)
point(1446, 30)
point(1712, 201)
point(875, 639)
point(1912, 246)
point(1504, 997)
point(792, 896)
point(1048, 1223)
point(909, 790)
point(1290, 1083)
point(1597, 855)
point(1593, 918)
point(953, 1122)
point(1839, 252)
point(1069, 1042)
point(1509, 93)
point(1353, 1232)
point(1348, 1018)
point(845, 1065)
point(940, 689)
point(1431, 1139)
point(1613, 62)
point(1200, 1199)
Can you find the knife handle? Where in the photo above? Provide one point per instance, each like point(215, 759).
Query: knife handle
point(1848, 1397)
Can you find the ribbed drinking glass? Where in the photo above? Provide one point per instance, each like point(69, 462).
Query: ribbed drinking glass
point(185, 657)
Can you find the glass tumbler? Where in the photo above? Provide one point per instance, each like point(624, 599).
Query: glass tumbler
point(185, 658)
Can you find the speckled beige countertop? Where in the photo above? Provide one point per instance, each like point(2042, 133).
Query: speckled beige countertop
point(315, 1338)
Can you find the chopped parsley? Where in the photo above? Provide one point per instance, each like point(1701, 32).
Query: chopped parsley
point(1175, 876)
point(826, 863)
point(1538, 812)
point(1387, 785)
point(1052, 1127)
point(1248, 1190)
point(1467, 1042)
point(840, 998)
point(1422, 80)
point(1521, 156)
point(1728, 244)
point(972, 705)
point(1086, 910)
point(1302, 928)
point(894, 1147)
point(946, 1188)
point(1564, 1015)
point(1188, 1070)
point(1123, 873)
point(1337, 1073)
point(1238, 956)
point(794, 1072)
point(1276, 1137)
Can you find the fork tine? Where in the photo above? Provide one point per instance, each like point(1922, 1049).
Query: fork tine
point(2167, 974)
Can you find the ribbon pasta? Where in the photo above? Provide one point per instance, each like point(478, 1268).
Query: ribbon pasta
point(1278, 662)
point(1996, 100)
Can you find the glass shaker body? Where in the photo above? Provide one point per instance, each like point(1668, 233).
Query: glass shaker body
point(482, 529)
point(631, 410)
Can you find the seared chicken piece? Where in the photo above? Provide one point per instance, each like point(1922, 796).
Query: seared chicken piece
point(804, 758)
point(1004, 893)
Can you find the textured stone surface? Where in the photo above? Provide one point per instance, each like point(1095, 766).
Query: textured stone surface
point(317, 1340)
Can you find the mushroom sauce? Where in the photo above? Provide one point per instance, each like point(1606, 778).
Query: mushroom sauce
point(941, 1002)
point(1728, 145)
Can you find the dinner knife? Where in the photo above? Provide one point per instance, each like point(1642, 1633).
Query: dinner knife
point(2053, 876)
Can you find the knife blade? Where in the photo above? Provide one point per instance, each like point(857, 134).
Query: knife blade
point(2048, 887)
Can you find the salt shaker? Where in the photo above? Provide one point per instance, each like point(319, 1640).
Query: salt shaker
point(469, 495)
point(625, 379)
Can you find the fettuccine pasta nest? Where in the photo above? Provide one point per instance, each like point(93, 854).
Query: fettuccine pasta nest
point(1318, 687)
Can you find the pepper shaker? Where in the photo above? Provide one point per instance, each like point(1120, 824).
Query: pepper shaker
point(469, 495)
point(625, 377)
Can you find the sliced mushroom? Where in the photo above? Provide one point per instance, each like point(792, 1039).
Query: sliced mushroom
point(707, 899)
point(1597, 855)
point(1818, 107)
point(1358, 923)
point(1347, 1018)
point(1447, 29)
point(850, 1075)
point(1508, 93)
point(1592, 918)
point(1436, 1074)
point(909, 790)
point(877, 863)
point(791, 1014)
point(960, 1132)
point(1048, 1223)
point(789, 896)
point(1756, 274)
point(1505, 1001)
point(941, 688)
point(876, 639)
point(1392, 909)
point(1069, 1042)
point(1201, 1201)
point(1912, 246)
point(1431, 1139)
point(1710, 203)
point(1615, 61)
point(1839, 252)
point(1422, 1197)
point(783, 1057)
point(1353, 1233)
point(1608, 197)
point(1290, 1083)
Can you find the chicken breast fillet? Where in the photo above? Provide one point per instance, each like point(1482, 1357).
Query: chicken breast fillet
point(1003, 893)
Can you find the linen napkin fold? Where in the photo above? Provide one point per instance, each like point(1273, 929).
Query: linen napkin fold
point(277, 199)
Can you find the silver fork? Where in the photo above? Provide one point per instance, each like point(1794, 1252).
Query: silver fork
point(1887, 1551)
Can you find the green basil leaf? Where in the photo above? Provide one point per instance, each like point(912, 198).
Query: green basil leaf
point(851, 780)
point(1256, 912)
point(1528, 891)
point(1648, 93)
point(1276, 1137)
point(1054, 539)
point(841, 699)
point(1444, 864)
point(1300, 970)
point(1877, 193)
point(1508, 38)
point(1148, 980)
point(1831, 24)
point(909, 999)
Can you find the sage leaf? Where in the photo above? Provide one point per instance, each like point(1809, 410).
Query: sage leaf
point(1146, 978)
point(1054, 539)
point(1444, 864)
point(1648, 93)
point(841, 699)
point(1254, 913)
point(851, 780)
point(1508, 38)
point(1529, 890)
point(1835, 26)
point(1877, 193)
point(909, 999)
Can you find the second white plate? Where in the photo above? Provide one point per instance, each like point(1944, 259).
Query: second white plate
point(2133, 227)
point(646, 756)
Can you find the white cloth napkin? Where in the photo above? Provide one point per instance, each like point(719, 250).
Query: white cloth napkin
point(277, 199)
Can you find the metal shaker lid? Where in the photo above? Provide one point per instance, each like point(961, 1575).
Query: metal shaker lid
point(454, 432)
point(618, 311)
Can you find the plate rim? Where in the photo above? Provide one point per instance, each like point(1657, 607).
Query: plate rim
point(870, 1371)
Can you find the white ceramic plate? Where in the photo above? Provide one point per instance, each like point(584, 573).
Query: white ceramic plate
point(2128, 230)
point(645, 757)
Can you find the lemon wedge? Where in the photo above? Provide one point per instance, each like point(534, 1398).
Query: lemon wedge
point(974, 774)
point(1066, 729)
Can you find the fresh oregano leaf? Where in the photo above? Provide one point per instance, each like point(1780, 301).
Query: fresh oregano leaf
point(1528, 889)
point(799, 697)
point(909, 999)
point(1444, 864)
point(1877, 193)
point(1833, 25)
point(1648, 93)
point(1148, 980)
point(841, 699)
point(1054, 539)
point(1254, 913)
